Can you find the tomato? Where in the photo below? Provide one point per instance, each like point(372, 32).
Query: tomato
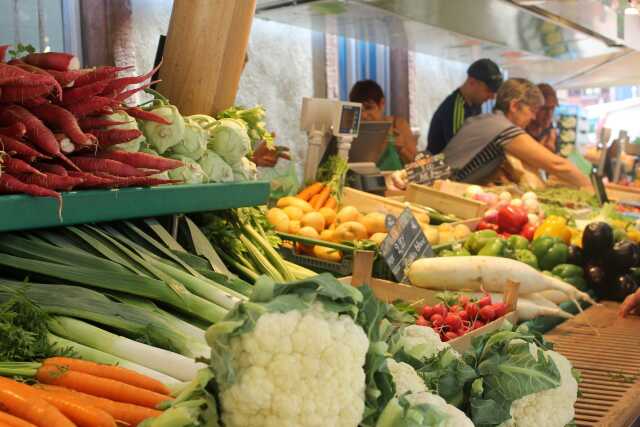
point(453, 321)
point(427, 312)
point(485, 300)
point(472, 310)
point(421, 321)
point(454, 308)
point(500, 308)
point(487, 313)
point(477, 324)
point(464, 316)
point(463, 300)
point(450, 335)
point(440, 309)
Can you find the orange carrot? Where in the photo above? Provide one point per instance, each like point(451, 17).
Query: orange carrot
point(331, 203)
point(322, 199)
point(107, 371)
point(100, 387)
point(123, 412)
point(32, 409)
point(314, 199)
point(81, 414)
point(310, 191)
point(12, 421)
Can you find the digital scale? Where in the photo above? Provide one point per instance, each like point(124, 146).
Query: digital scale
point(335, 127)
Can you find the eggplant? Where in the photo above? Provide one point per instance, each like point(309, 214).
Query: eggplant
point(597, 280)
point(575, 255)
point(597, 240)
point(622, 286)
point(624, 256)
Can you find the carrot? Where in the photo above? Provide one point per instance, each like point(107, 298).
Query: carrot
point(90, 180)
point(11, 185)
point(51, 181)
point(113, 167)
point(88, 123)
point(141, 114)
point(78, 94)
point(142, 160)
point(314, 199)
point(17, 130)
point(32, 409)
point(37, 132)
point(100, 387)
point(331, 203)
point(123, 412)
point(310, 191)
point(53, 60)
point(118, 85)
point(19, 149)
point(107, 371)
point(99, 73)
point(51, 168)
point(16, 76)
point(3, 51)
point(108, 137)
point(11, 421)
point(21, 93)
point(39, 71)
point(62, 119)
point(90, 106)
point(35, 102)
point(137, 181)
point(322, 198)
point(17, 166)
point(66, 78)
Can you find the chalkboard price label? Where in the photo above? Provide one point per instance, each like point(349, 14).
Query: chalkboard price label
point(405, 242)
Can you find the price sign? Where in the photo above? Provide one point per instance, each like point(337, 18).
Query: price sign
point(404, 243)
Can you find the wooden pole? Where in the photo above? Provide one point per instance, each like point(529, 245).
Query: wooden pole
point(204, 53)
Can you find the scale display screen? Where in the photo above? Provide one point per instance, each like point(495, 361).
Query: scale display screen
point(349, 120)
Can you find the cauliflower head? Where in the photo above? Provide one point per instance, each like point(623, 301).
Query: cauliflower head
point(548, 408)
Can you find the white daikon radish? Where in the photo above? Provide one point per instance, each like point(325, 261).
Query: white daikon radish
point(530, 307)
point(554, 296)
point(485, 273)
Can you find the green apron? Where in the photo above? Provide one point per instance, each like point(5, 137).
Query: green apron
point(390, 159)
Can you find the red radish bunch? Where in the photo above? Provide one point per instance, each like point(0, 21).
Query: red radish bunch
point(465, 315)
point(50, 108)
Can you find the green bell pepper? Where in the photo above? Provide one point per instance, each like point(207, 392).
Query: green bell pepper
point(572, 274)
point(578, 282)
point(516, 242)
point(455, 252)
point(550, 252)
point(526, 256)
point(496, 247)
point(478, 240)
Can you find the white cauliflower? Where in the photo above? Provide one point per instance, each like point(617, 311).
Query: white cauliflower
point(297, 369)
point(548, 408)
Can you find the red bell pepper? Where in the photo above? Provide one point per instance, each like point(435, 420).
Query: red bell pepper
point(528, 231)
point(512, 218)
point(484, 225)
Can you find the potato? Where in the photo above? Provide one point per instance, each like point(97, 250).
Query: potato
point(313, 219)
point(329, 215)
point(446, 237)
point(432, 234)
point(348, 213)
point(350, 230)
point(445, 227)
point(374, 222)
point(327, 235)
point(293, 212)
point(377, 238)
point(294, 226)
point(422, 217)
point(311, 233)
point(294, 201)
point(276, 215)
point(328, 254)
point(461, 232)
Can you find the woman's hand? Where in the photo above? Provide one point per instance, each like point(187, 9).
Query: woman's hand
point(396, 181)
point(630, 304)
point(266, 157)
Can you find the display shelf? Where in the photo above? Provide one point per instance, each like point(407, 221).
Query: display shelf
point(21, 212)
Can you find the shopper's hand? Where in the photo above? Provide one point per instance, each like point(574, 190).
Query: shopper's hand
point(266, 157)
point(397, 181)
point(630, 305)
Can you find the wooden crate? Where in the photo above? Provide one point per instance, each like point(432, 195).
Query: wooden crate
point(604, 348)
point(459, 188)
point(445, 203)
point(367, 202)
point(621, 192)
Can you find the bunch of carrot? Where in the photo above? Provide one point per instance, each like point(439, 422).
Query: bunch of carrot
point(73, 392)
point(318, 195)
point(50, 109)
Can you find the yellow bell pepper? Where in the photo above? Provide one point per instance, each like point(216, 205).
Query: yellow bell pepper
point(633, 234)
point(554, 226)
point(576, 237)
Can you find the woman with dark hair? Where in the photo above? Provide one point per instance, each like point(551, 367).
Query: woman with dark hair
point(479, 149)
point(401, 145)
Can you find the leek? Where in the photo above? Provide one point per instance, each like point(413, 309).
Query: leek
point(172, 364)
point(274, 257)
point(260, 260)
point(94, 355)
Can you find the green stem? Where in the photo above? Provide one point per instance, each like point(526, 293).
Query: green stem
point(270, 252)
point(261, 261)
point(247, 272)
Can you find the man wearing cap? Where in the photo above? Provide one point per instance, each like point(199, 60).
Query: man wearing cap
point(483, 80)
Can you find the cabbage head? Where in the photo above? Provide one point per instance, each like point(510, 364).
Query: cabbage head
point(245, 170)
point(194, 143)
point(215, 168)
point(131, 123)
point(161, 136)
point(190, 173)
point(229, 139)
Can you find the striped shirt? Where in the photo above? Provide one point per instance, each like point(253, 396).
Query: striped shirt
point(448, 119)
point(477, 150)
